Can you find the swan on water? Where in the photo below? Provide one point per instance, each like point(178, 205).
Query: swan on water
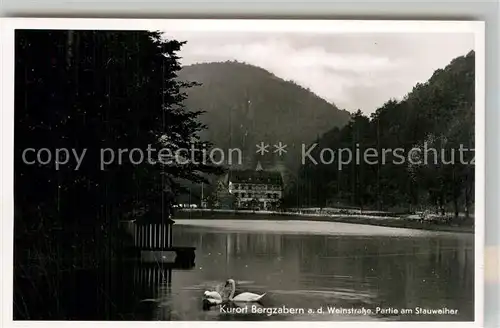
point(212, 297)
point(243, 297)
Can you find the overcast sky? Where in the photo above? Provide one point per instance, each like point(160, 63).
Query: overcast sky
point(354, 71)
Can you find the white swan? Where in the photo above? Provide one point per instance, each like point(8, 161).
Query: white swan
point(243, 297)
point(213, 297)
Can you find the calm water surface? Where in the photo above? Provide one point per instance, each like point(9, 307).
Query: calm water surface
point(331, 265)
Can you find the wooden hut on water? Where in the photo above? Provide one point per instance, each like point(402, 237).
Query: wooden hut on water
point(153, 237)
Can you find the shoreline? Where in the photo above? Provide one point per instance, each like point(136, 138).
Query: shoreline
point(390, 222)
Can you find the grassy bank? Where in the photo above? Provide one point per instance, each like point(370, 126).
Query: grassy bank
point(465, 227)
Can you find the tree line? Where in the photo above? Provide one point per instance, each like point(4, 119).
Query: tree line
point(92, 90)
point(437, 114)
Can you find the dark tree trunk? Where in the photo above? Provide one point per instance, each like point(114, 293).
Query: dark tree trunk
point(467, 204)
point(468, 189)
point(455, 205)
point(441, 205)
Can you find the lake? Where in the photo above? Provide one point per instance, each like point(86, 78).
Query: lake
point(346, 270)
point(313, 265)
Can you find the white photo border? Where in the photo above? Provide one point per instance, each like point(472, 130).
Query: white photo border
point(9, 25)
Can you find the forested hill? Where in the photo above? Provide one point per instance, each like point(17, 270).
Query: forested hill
point(439, 114)
point(246, 105)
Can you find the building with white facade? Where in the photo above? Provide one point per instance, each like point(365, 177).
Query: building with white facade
point(256, 188)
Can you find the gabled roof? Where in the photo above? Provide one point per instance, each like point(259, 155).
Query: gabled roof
point(259, 167)
point(257, 177)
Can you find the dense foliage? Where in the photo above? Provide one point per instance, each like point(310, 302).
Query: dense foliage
point(438, 114)
point(88, 91)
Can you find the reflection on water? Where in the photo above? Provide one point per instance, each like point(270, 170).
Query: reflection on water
point(428, 270)
point(332, 265)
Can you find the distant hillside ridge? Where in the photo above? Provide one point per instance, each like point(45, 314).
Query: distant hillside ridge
point(246, 105)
